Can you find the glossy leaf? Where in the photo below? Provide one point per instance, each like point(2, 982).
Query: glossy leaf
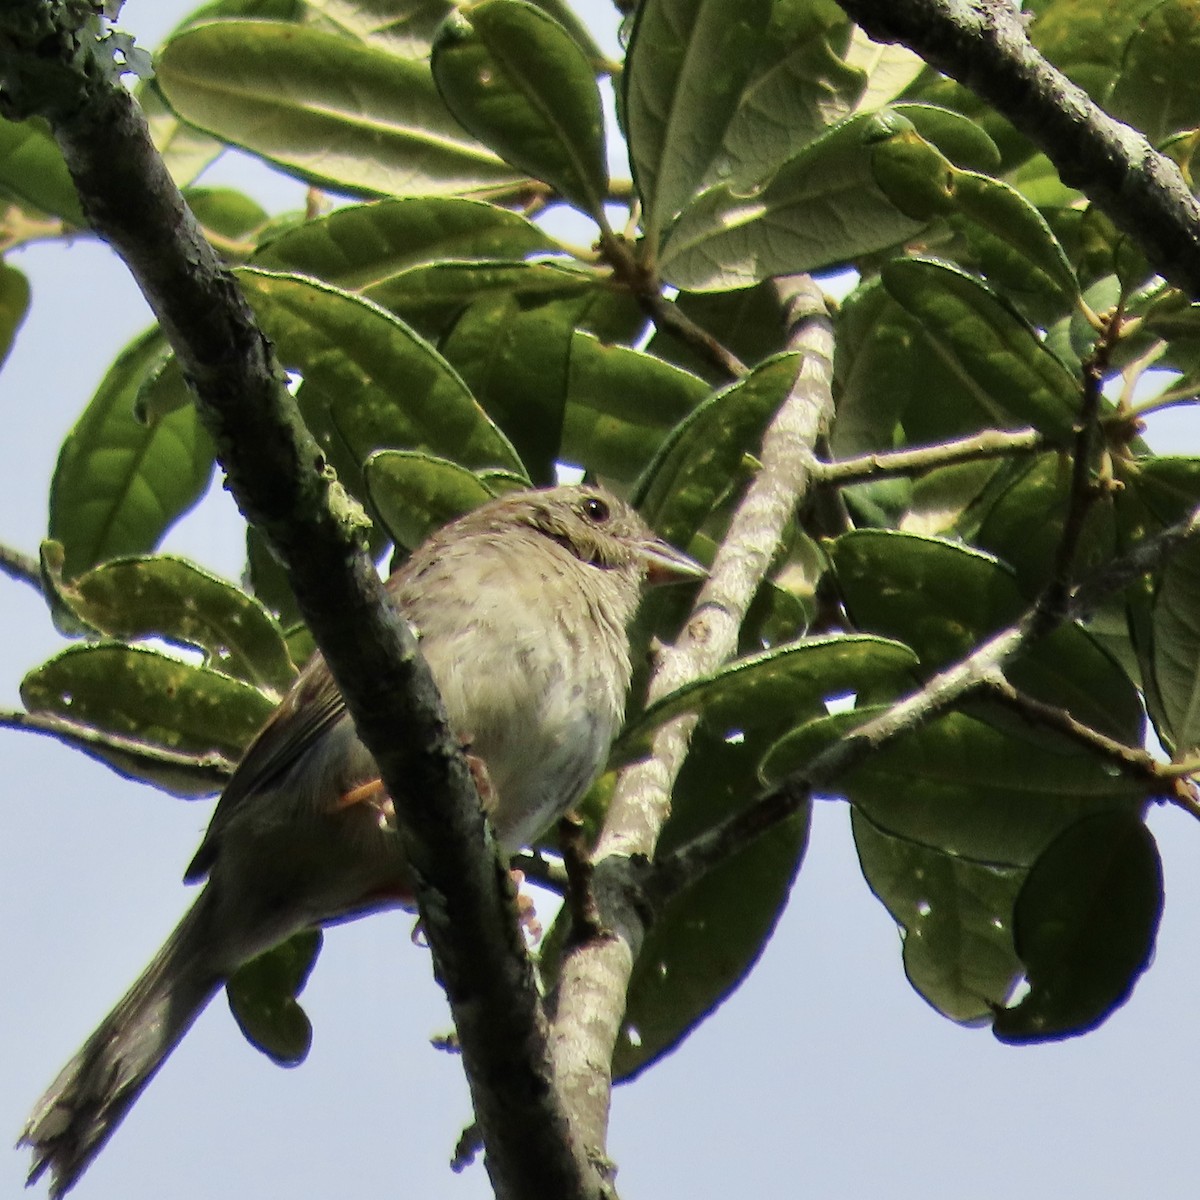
point(515, 354)
point(799, 86)
point(186, 150)
point(1156, 88)
point(688, 62)
point(381, 384)
point(1085, 923)
point(822, 208)
point(262, 997)
point(148, 695)
point(406, 29)
point(365, 248)
point(329, 110)
point(415, 494)
point(956, 919)
point(965, 788)
point(620, 404)
point(226, 211)
point(693, 467)
point(516, 79)
point(1012, 243)
point(987, 345)
point(1023, 526)
point(119, 484)
point(1176, 652)
point(32, 170)
point(14, 305)
point(709, 937)
point(779, 688)
point(944, 599)
point(174, 599)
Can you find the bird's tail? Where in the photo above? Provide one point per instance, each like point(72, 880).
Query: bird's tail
point(93, 1092)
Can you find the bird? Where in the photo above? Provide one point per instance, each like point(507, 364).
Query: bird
point(522, 609)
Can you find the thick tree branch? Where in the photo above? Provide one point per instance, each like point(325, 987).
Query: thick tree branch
point(280, 479)
point(594, 976)
point(983, 44)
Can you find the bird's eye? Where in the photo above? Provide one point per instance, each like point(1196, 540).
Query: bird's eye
point(595, 509)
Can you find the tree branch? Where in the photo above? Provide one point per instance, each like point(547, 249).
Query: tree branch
point(983, 668)
point(992, 443)
point(594, 976)
point(22, 567)
point(279, 476)
point(983, 44)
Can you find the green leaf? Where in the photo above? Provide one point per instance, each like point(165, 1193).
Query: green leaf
point(1085, 924)
point(956, 918)
point(119, 485)
point(262, 997)
point(890, 69)
point(709, 937)
point(32, 170)
point(145, 694)
point(620, 404)
point(1176, 651)
point(798, 87)
point(777, 689)
point(185, 150)
point(997, 354)
point(1023, 526)
point(1156, 88)
point(226, 211)
point(326, 109)
point(367, 247)
point(415, 494)
point(380, 384)
point(695, 464)
point(516, 80)
point(965, 788)
point(943, 599)
point(687, 64)
point(1012, 244)
point(174, 599)
point(515, 354)
point(406, 29)
point(14, 305)
point(822, 208)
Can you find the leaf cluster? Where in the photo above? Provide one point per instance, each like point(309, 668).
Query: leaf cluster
point(447, 342)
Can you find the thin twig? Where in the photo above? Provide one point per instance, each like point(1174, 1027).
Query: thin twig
point(993, 443)
point(22, 567)
point(982, 668)
point(667, 317)
point(1083, 493)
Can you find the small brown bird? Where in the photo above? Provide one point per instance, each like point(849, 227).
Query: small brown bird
point(522, 608)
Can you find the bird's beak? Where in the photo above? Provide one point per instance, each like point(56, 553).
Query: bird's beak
point(665, 564)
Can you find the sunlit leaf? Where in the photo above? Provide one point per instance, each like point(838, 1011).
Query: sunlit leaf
point(328, 109)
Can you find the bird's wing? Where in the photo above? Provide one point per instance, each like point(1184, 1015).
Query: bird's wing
point(310, 709)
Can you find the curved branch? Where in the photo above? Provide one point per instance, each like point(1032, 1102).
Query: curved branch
point(594, 976)
point(983, 44)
